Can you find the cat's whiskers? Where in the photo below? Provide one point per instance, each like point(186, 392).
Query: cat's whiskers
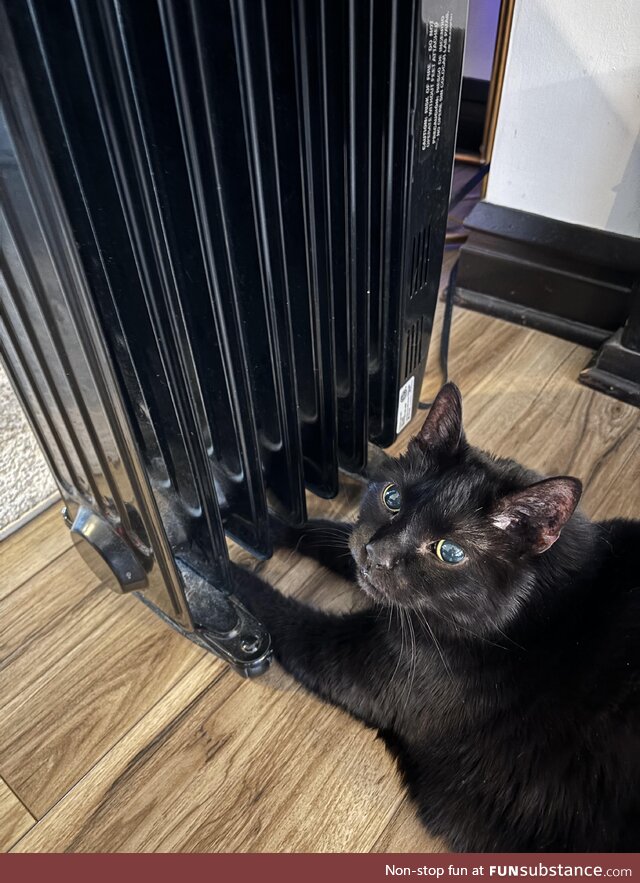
point(334, 541)
point(293, 552)
point(396, 607)
point(470, 631)
point(328, 534)
point(326, 528)
point(413, 663)
point(422, 617)
point(336, 538)
point(504, 635)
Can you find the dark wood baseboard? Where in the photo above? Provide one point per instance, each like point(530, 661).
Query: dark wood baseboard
point(574, 282)
point(578, 332)
point(586, 244)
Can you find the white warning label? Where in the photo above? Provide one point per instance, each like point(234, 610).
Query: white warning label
point(438, 51)
point(405, 404)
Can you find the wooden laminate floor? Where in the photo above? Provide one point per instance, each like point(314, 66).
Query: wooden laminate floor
point(116, 734)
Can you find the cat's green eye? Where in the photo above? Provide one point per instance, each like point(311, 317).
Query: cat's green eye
point(391, 498)
point(449, 552)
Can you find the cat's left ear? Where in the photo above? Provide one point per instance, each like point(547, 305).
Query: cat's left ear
point(442, 430)
point(537, 514)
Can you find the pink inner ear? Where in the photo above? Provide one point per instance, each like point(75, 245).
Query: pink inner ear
point(540, 511)
point(502, 521)
point(546, 541)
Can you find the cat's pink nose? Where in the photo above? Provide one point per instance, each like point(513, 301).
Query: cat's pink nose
point(379, 556)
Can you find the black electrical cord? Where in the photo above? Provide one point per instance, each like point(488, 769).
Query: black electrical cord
point(468, 186)
point(445, 335)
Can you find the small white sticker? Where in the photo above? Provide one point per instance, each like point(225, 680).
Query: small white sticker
point(405, 404)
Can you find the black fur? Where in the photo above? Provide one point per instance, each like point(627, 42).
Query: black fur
point(507, 686)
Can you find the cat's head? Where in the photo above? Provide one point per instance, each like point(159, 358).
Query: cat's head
point(450, 529)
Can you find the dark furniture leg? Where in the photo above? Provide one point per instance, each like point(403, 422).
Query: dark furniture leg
point(615, 368)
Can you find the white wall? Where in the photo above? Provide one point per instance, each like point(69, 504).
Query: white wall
point(568, 139)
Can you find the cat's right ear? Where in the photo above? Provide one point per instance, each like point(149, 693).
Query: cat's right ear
point(442, 430)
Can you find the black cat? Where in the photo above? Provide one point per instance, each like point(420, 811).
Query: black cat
point(500, 656)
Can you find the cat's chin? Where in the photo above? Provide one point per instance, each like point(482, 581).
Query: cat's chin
point(372, 591)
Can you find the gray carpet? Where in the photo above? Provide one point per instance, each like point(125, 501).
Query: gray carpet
point(25, 480)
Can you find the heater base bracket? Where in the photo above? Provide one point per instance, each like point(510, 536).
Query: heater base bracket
point(222, 625)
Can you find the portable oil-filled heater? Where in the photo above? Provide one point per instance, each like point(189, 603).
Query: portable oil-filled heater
point(222, 234)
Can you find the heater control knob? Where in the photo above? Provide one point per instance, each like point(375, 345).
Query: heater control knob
point(106, 552)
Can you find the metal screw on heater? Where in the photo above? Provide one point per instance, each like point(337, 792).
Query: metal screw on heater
point(250, 643)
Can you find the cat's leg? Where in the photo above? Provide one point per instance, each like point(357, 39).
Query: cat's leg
point(327, 542)
point(339, 658)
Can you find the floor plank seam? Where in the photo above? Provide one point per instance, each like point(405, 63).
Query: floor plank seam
point(124, 735)
point(17, 797)
point(10, 846)
point(35, 573)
